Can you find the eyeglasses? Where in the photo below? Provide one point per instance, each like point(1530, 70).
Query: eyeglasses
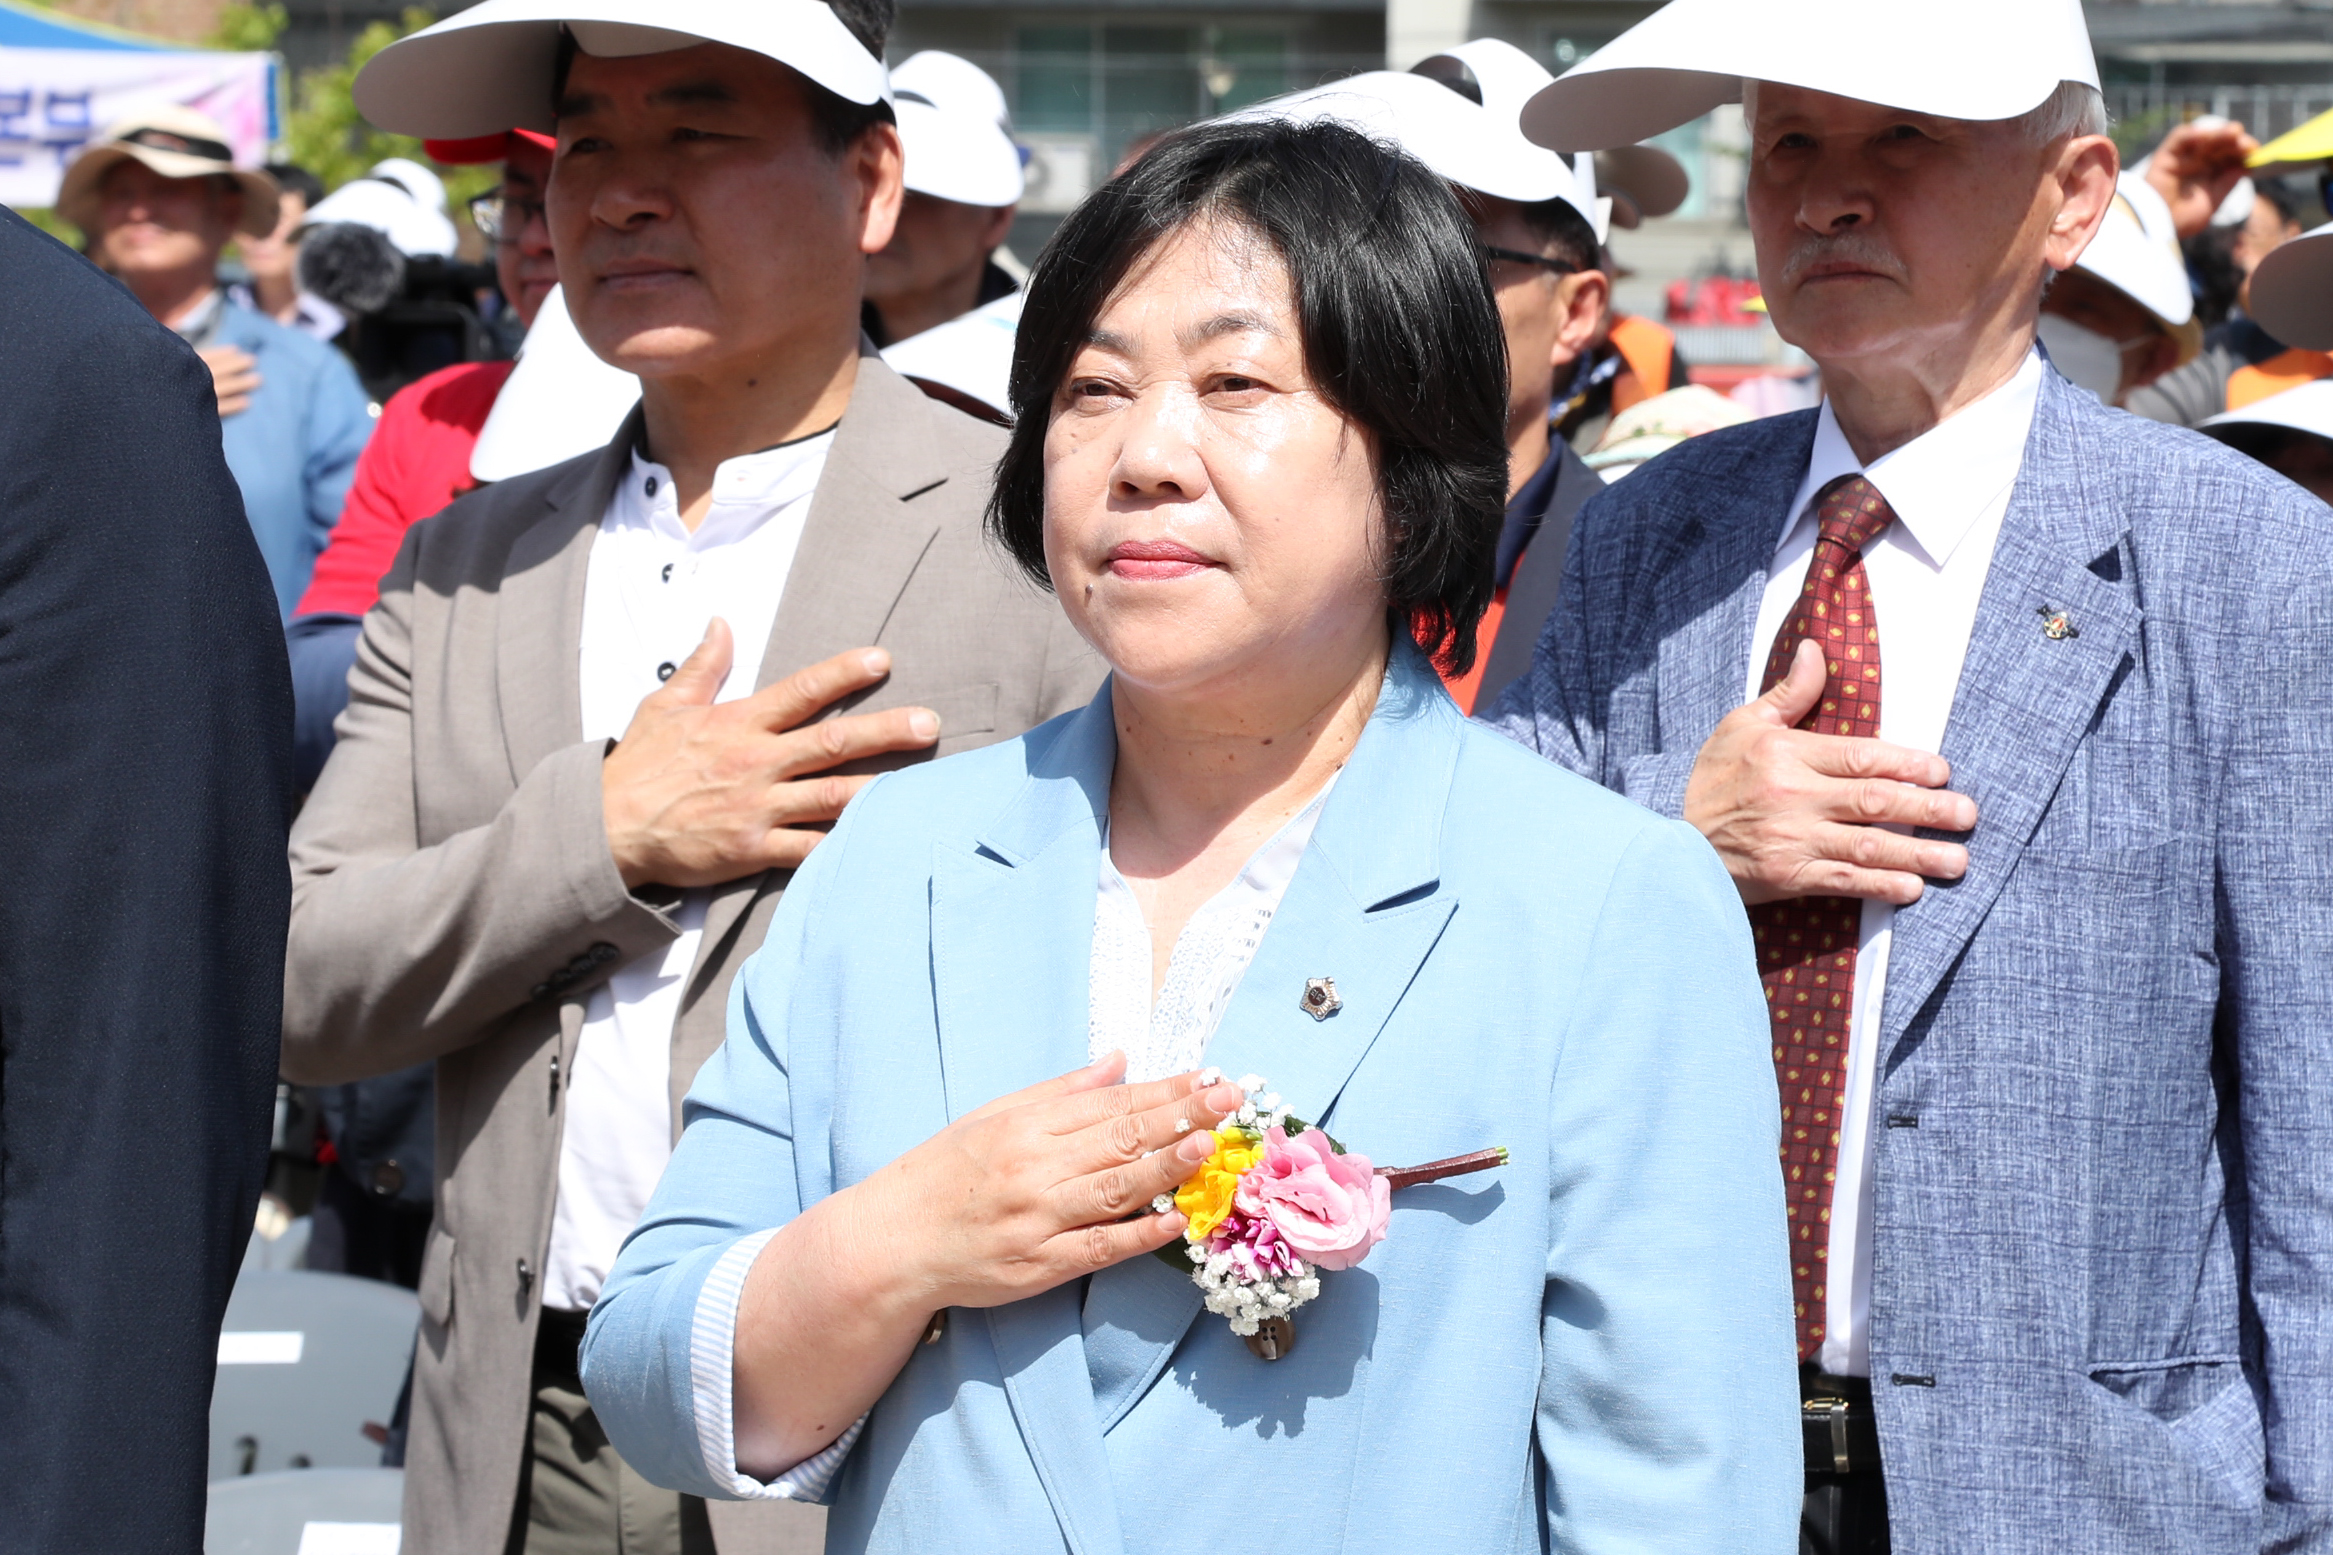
point(1517, 256)
point(500, 219)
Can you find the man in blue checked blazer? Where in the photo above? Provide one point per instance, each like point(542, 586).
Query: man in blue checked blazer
point(2012, 718)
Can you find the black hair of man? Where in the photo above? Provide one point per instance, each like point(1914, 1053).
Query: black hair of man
point(835, 121)
point(1559, 225)
point(1398, 326)
point(291, 178)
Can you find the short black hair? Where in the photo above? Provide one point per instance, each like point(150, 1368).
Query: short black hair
point(1559, 224)
point(291, 178)
point(1399, 330)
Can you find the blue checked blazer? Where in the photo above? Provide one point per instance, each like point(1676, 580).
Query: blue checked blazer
point(2102, 1308)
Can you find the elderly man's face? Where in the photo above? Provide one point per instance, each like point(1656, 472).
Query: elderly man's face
point(698, 222)
point(148, 224)
point(1886, 235)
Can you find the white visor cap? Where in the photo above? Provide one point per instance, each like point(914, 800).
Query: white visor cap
point(973, 355)
point(402, 201)
point(2292, 291)
point(489, 68)
point(2308, 408)
point(952, 125)
point(1976, 59)
point(1452, 135)
point(2136, 251)
point(559, 401)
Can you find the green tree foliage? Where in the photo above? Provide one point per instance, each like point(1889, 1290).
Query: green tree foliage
point(326, 135)
point(248, 29)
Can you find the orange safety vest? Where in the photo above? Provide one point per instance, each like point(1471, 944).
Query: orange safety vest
point(2250, 385)
point(1650, 352)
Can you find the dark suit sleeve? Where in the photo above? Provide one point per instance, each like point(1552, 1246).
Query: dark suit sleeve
point(1538, 578)
point(145, 723)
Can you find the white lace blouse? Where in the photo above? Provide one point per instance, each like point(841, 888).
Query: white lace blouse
point(1211, 956)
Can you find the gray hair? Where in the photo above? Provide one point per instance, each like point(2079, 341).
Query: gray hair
point(2075, 108)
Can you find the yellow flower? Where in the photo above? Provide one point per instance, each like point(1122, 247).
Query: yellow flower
point(1206, 1198)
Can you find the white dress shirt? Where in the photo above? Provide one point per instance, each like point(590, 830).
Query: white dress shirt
point(1166, 1038)
point(650, 588)
point(1949, 488)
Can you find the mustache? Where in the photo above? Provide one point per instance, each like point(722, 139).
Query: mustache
point(1865, 251)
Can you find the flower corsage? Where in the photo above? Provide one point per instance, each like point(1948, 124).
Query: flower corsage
point(1278, 1203)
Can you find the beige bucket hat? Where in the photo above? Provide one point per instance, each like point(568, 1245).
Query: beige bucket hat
point(176, 143)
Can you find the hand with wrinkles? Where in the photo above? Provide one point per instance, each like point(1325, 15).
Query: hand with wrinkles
point(1034, 1190)
point(1799, 814)
point(698, 793)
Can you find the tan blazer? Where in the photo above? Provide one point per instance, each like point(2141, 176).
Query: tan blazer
point(453, 893)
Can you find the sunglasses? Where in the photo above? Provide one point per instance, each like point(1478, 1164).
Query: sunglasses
point(1517, 256)
point(500, 219)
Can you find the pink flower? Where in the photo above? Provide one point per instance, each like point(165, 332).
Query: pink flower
point(1331, 1208)
point(1256, 1246)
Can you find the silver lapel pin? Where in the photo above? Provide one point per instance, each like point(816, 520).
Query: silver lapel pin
point(1320, 997)
point(2057, 625)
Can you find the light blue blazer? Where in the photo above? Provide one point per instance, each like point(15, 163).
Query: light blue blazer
point(1589, 1349)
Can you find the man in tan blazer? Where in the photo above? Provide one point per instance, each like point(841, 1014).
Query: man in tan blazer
point(564, 801)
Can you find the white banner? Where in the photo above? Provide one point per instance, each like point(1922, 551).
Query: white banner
point(55, 101)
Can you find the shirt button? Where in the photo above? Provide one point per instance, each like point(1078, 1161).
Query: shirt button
point(388, 1178)
point(664, 670)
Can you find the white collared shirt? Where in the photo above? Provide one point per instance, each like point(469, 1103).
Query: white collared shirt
point(651, 587)
point(1949, 488)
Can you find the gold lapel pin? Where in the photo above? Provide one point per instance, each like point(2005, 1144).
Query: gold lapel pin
point(1320, 997)
point(2057, 625)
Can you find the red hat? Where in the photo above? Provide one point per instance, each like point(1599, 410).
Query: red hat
point(483, 148)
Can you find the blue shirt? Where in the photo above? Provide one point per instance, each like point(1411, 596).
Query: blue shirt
point(293, 449)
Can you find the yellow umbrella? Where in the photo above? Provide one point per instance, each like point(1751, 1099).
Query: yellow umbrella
point(2296, 150)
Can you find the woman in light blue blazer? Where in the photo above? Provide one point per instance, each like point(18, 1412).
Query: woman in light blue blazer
point(902, 1259)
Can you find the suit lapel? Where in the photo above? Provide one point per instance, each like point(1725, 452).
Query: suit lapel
point(1712, 602)
point(2025, 698)
point(1362, 910)
point(539, 627)
point(860, 543)
point(1012, 927)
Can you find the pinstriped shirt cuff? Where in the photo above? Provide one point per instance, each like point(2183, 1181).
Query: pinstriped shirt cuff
point(712, 1354)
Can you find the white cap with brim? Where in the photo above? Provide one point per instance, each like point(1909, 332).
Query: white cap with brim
point(971, 355)
point(953, 132)
point(173, 142)
point(490, 68)
point(2292, 291)
point(560, 401)
point(1454, 137)
point(401, 200)
point(2136, 251)
point(1976, 59)
point(2308, 408)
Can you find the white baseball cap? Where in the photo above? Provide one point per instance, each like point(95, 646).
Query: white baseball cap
point(1974, 59)
point(558, 402)
point(2136, 251)
point(1453, 135)
point(401, 200)
point(952, 122)
point(2292, 290)
point(2308, 408)
point(972, 355)
point(489, 68)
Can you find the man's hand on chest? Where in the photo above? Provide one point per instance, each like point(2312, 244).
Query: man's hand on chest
point(698, 793)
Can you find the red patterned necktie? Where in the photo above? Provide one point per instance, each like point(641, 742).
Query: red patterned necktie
point(1806, 946)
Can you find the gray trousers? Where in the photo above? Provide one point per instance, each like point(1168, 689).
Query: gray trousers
point(576, 1497)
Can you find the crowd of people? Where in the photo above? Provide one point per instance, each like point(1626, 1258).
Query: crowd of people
point(863, 789)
